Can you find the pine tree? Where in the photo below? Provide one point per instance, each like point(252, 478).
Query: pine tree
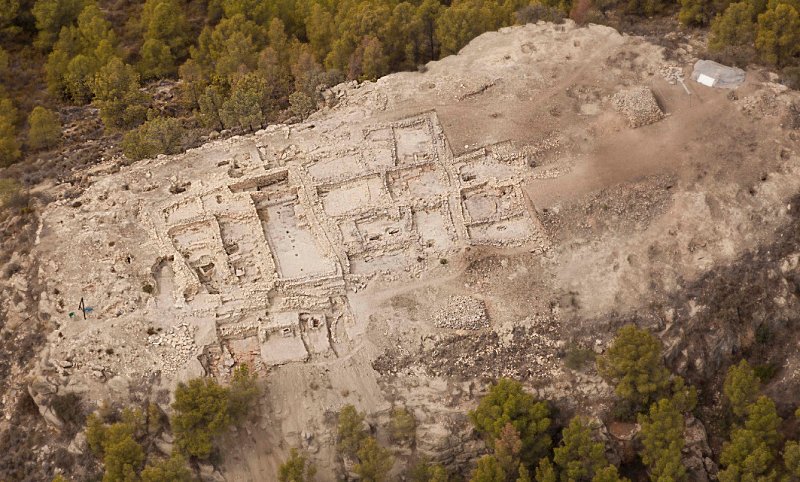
point(734, 28)
point(684, 397)
point(201, 413)
point(791, 458)
point(460, 23)
point(308, 74)
point(374, 63)
point(752, 450)
point(545, 472)
point(278, 79)
point(166, 36)
point(488, 470)
point(4, 61)
point(246, 106)
point(44, 129)
point(741, 387)
point(319, 29)
point(116, 92)
point(579, 457)
point(301, 105)
point(51, 16)
point(9, 9)
point(662, 441)
point(194, 83)
point(79, 53)
point(403, 425)
point(609, 474)
point(778, 37)
point(160, 135)
point(507, 403)
point(424, 471)
point(173, 469)
point(9, 147)
point(210, 105)
point(156, 60)
point(524, 474)
point(350, 431)
point(791, 454)
point(374, 461)
point(123, 457)
point(426, 14)
point(243, 392)
point(230, 47)
point(117, 445)
point(634, 364)
point(763, 420)
point(507, 449)
point(296, 468)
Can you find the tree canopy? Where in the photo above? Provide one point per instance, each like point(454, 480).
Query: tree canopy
point(579, 457)
point(662, 441)
point(508, 403)
point(44, 128)
point(203, 409)
point(635, 365)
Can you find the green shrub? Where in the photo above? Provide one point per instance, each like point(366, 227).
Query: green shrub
point(766, 372)
point(9, 189)
point(116, 93)
point(374, 461)
point(173, 469)
point(350, 431)
point(296, 468)
point(69, 408)
point(403, 425)
point(301, 105)
point(425, 471)
point(791, 78)
point(9, 147)
point(44, 128)
point(576, 357)
point(160, 135)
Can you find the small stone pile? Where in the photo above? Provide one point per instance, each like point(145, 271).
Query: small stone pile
point(638, 105)
point(462, 313)
point(671, 73)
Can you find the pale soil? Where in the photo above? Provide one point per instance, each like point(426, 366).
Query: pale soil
point(602, 220)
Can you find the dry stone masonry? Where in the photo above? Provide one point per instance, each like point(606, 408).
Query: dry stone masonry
point(253, 261)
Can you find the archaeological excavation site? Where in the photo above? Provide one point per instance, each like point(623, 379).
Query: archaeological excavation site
point(500, 213)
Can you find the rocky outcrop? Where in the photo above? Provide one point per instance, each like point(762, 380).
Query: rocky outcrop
point(697, 453)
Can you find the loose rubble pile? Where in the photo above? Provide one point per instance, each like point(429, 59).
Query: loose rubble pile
point(638, 105)
point(462, 313)
point(528, 354)
point(671, 73)
point(176, 346)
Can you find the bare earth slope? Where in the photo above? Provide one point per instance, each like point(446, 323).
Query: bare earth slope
point(420, 234)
